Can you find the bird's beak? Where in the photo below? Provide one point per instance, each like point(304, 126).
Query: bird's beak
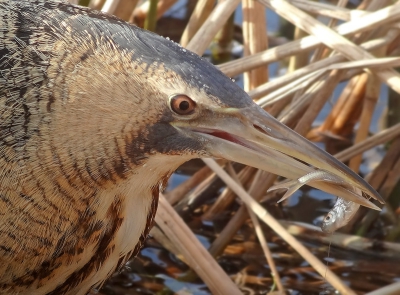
point(251, 136)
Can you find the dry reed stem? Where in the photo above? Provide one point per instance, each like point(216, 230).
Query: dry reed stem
point(378, 62)
point(240, 216)
point(365, 22)
point(226, 198)
point(320, 51)
point(263, 181)
point(345, 241)
point(331, 38)
point(177, 193)
point(395, 44)
point(109, 6)
point(266, 180)
point(254, 40)
point(346, 109)
point(384, 62)
point(318, 66)
point(221, 46)
point(150, 22)
point(140, 13)
point(349, 113)
point(96, 4)
point(377, 177)
point(370, 99)
point(278, 107)
point(267, 253)
point(279, 229)
point(231, 228)
point(312, 7)
point(392, 289)
point(325, 9)
point(299, 60)
point(161, 238)
point(326, 89)
point(391, 180)
point(365, 4)
point(195, 254)
point(260, 236)
point(292, 114)
point(380, 180)
point(287, 90)
point(212, 25)
point(198, 190)
point(379, 138)
point(340, 104)
point(372, 6)
point(202, 10)
point(125, 8)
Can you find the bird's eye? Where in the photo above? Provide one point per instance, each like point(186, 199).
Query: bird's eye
point(182, 104)
point(328, 217)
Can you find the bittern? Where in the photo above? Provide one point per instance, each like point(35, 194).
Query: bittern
point(95, 116)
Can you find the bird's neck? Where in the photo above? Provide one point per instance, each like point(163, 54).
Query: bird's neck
point(129, 209)
point(93, 228)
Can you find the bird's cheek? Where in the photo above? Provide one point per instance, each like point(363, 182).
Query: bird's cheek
point(165, 139)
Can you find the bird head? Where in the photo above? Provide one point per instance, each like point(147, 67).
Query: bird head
point(167, 101)
point(95, 114)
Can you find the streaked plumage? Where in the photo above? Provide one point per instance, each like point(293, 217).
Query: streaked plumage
point(89, 133)
point(69, 79)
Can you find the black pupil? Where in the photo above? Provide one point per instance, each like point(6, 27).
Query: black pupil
point(184, 105)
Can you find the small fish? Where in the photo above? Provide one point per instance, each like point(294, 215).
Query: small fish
point(316, 175)
point(341, 213)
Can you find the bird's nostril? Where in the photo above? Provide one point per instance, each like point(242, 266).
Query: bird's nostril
point(258, 128)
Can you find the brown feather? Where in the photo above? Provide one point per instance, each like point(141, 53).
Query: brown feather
point(80, 173)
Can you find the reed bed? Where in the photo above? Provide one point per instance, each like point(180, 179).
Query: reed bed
point(358, 46)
